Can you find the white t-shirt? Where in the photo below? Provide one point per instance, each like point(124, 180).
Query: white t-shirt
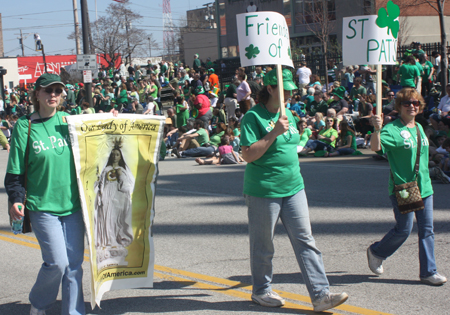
point(151, 106)
point(303, 75)
point(1, 106)
point(437, 63)
point(444, 105)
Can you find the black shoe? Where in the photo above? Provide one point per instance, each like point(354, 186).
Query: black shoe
point(175, 151)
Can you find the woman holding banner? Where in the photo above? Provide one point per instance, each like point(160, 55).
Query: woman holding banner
point(399, 140)
point(273, 188)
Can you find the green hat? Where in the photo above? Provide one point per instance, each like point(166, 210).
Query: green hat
point(384, 83)
point(211, 70)
point(288, 84)
point(339, 92)
point(199, 90)
point(48, 79)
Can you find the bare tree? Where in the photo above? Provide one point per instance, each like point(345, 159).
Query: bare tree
point(115, 33)
point(321, 24)
point(404, 31)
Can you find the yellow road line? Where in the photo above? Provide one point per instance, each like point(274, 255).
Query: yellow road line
point(169, 273)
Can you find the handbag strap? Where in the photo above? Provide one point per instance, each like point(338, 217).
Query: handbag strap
point(419, 146)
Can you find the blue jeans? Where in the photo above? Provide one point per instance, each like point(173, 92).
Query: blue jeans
point(200, 151)
point(62, 246)
point(318, 145)
point(263, 214)
point(345, 151)
point(398, 235)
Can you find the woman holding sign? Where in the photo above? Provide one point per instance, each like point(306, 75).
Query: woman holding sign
point(406, 146)
point(273, 188)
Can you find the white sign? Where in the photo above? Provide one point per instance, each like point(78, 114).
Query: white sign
point(87, 76)
point(263, 39)
point(87, 62)
point(365, 43)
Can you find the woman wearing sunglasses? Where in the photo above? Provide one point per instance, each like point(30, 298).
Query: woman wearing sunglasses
point(326, 140)
point(273, 189)
point(399, 140)
point(52, 197)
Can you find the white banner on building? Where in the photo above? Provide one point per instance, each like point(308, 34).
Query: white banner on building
point(263, 39)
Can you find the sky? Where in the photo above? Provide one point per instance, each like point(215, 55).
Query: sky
point(53, 20)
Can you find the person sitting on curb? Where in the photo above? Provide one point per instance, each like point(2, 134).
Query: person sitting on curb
point(200, 139)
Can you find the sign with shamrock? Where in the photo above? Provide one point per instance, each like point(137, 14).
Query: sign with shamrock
point(263, 39)
point(371, 39)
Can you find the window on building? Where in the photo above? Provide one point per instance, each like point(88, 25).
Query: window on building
point(305, 10)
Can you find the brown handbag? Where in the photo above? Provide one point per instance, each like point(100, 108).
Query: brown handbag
point(26, 227)
point(408, 194)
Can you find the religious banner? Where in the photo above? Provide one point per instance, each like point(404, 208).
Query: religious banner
point(371, 39)
point(263, 39)
point(116, 160)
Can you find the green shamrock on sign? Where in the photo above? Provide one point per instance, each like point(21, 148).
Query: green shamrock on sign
point(251, 51)
point(386, 18)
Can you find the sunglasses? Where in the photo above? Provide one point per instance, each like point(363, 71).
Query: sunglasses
point(408, 103)
point(330, 120)
point(50, 90)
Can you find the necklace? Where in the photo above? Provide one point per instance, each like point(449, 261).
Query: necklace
point(43, 123)
point(272, 123)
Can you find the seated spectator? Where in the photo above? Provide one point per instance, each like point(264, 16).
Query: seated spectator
point(443, 109)
point(150, 107)
point(182, 111)
point(234, 140)
point(218, 133)
point(298, 106)
point(317, 124)
point(226, 154)
point(363, 123)
point(305, 134)
point(349, 77)
point(347, 141)
point(233, 125)
point(198, 139)
point(317, 105)
point(326, 140)
point(356, 92)
point(339, 104)
point(219, 114)
point(309, 97)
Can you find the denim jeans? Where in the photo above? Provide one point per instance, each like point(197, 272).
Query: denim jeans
point(318, 145)
point(206, 118)
point(345, 151)
point(263, 214)
point(398, 235)
point(200, 151)
point(62, 246)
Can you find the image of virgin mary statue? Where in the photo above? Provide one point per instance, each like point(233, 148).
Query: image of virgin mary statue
point(113, 232)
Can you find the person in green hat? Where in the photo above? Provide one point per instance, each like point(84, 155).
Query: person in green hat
point(53, 201)
point(197, 64)
point(274, 188)
point(339, 104)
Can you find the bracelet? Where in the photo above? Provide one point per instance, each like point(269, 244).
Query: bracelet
point(377, 131)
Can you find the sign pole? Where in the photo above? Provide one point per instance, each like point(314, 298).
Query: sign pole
point(379, 90)
point(281, 90)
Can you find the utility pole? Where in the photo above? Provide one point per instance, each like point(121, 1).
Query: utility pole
point(21, 39)
point(77, 28)
point(86, 47)
point(150, 45)
point(127, 24)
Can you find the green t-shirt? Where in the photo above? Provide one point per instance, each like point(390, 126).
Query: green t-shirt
point(51, 180)
point(197, 64)
point(408, 72)
point(427, 69)
point(76, 111)
point(182, 115)
point(215, 138)
point(328, 133)
point(236, 132)
point(400, 144)
point(231, 90)
point(304, 137)
point(277, 173)
point(203, 136)
point(353, 145)
point(155, 93)
point(419, 66)
point(355, 91)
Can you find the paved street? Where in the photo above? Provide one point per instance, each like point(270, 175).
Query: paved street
point(202, 256)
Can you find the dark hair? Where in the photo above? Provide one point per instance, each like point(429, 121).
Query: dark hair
point(264, 95)
point(111, 158)
point(222, 126)
point(410, 59)
point(179, 100)
point(225, 140)
point(344, 127)
point(199, 122)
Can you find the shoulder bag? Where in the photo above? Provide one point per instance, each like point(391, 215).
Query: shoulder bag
point(408, 194)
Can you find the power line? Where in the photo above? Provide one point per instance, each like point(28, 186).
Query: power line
point(36, 13)
point(38, 27)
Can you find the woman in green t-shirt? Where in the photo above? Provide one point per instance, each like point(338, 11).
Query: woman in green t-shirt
point(273, 188)
point(326, 140)
point(305, 134)
point(398, 140)
point(347, 141)
point(53, 201)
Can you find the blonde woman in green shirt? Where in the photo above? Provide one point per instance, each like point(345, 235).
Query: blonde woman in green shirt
point(398, 140)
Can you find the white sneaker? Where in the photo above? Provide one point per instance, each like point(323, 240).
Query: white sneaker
point(435, 279)
point(35, 311)
point(329, 300)
point(375, 264)
point(269, 299)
